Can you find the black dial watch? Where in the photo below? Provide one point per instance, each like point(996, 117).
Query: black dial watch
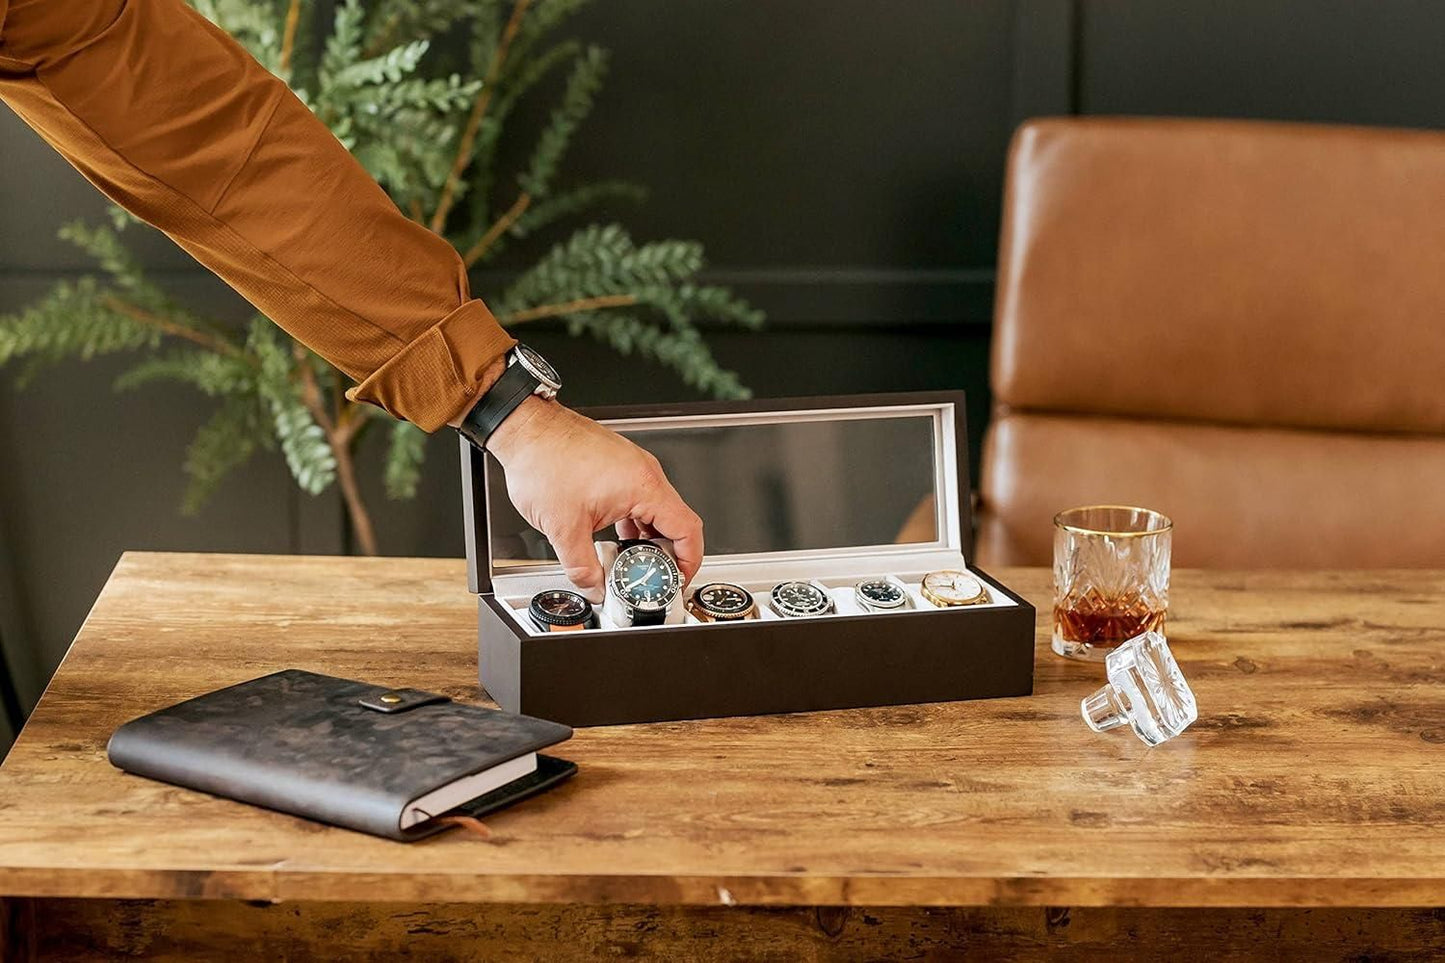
point(801, 600)
point(527, 374)
point(558, 610)
point(722, 602)
point(885, 594)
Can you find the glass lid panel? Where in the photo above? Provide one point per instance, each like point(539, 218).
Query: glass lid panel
point(788, 483)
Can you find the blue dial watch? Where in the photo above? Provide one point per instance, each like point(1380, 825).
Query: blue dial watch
point(642, 583)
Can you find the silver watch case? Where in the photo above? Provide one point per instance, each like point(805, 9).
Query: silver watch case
point(624, 613)
point(784, 610)
point(869, 605)
point(548, 381)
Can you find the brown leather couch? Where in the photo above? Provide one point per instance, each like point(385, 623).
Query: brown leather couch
point(1239, 324)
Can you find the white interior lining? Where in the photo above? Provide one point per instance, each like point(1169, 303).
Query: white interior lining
point(759, 579)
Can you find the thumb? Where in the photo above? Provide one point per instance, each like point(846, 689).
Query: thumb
point(578, 554)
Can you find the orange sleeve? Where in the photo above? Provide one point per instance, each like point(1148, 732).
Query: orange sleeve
point(174, 121)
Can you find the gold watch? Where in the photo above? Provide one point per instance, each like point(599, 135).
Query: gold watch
point(722, 602)
point(950, 588)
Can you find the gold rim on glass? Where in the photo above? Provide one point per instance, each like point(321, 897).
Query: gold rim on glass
point(1083, 530)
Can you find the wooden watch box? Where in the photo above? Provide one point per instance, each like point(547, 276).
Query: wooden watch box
point(834, 489)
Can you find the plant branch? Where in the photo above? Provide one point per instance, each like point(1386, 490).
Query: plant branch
point(340, 433)
point(311, 395)
point(504, 223)
point(214, 342)
point(474, 121)
point(288, 37)
point(569, 307)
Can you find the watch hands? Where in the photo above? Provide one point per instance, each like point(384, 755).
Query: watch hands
point(639, 580)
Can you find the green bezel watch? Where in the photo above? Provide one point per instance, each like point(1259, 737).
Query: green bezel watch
point(527, 373)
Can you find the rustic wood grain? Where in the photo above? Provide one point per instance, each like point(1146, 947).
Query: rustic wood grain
point(1315, 777)
point(80, 931)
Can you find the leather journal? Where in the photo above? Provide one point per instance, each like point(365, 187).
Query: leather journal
point(399, 763)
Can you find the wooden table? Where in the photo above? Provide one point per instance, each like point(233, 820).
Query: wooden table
point(1302, 813)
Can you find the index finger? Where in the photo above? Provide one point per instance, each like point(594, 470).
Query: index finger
point(673, 519)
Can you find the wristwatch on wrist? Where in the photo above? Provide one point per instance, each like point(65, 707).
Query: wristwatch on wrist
point(558, 610)
point(527, 373)
point(951, 588)
point(884, 594)
point(641, 584)
point(800, 600)
point(722, 602)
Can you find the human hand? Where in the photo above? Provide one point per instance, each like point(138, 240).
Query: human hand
point(570, 477)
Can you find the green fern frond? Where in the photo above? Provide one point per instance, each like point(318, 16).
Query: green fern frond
point(344, 44)
point(228, 439)
point(576, 201)
point(255, 25)
point(304, 444)
point(396, 21)
point(404, 457)
point(388, 68)
point(75, 319)
point(577, 99)
point(120, 218)
point(682, 351)
point(216, 375)
point(511, 88)
point(544, 17)
point(308, 453)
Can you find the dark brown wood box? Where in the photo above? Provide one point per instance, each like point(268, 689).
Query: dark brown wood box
point(605, 677)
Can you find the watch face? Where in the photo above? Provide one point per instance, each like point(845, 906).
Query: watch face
point(560, 607)
point(882, 593)
point(723, 600)
point(800, 599)
point(539, 366)
point(953, 588)
point(645, 577)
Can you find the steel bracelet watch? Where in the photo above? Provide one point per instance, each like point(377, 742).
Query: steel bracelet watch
point(527, 373)
point(950, 588)
point(559, 610)
point(800, 600)
point(722, 602)
point(883, 594)
point(642, 584)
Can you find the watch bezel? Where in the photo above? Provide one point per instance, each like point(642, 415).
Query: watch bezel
point(549, 382)
point(545, 618)
point(788, 611)
point(624, 557)
point(703, 610)
point(903, 601)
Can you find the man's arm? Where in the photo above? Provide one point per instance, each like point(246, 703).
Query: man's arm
point(177, 123)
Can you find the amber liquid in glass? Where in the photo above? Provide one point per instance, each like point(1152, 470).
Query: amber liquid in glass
point(1106, 622)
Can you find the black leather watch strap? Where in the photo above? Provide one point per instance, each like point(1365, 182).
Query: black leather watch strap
point(640, 617)
point(509, 391)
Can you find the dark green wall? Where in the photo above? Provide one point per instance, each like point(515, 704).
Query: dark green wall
point(843, 163)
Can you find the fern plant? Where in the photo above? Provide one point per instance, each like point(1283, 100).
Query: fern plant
point(426, 121)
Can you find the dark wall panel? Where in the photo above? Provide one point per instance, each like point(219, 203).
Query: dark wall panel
point(1340, 61)
point(802, 134)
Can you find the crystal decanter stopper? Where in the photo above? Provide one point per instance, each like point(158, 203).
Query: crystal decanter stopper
point(1146, 690)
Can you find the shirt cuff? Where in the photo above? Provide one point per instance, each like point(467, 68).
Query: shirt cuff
point(435, 379)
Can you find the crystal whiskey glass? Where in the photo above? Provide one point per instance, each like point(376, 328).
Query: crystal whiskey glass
point(1111, 578)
